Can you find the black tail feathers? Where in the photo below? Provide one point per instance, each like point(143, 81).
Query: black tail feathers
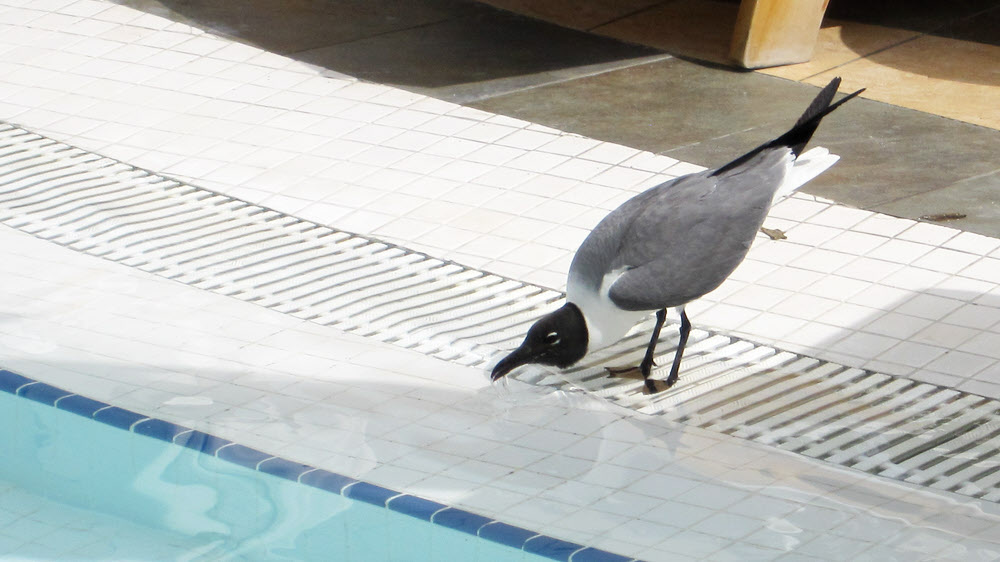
point(798, 136)
point(820, 102)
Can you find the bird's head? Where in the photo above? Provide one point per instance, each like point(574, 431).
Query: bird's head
point(558, 338)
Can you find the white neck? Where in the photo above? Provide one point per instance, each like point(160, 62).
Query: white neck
point(606, 323)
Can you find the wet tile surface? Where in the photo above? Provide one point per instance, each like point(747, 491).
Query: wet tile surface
point(955, 79)
point(975, 197)
point(840, 42)
point(500, 52)
point(577, 15)
point(708, 116)
point(701, 29)
point(283, 27)
point(659, 107)
point(698, 113)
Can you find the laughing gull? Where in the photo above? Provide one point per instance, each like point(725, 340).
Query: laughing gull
point(669, 245)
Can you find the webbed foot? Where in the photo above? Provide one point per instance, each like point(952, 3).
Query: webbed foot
point(633, 372)
point(639, 373)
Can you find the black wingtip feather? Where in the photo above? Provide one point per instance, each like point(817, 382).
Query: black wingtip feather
point(820, 102)
point(798, 136)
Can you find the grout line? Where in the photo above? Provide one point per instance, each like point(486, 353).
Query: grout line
point(257, 466)
point(296, 54)
point(480, 530)
point(908, 196)
point(633, 13)
point(388, 500)
point(298, 479)
point(865, 56)
point(176, 437)
point(99, 410)
point(597, 69)
point(217, 451)
point(771, 124)
point(961, 19)
point(433, 515)
point(343, 491)
point(17, 391)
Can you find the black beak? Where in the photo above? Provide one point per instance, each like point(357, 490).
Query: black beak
point(520, 356)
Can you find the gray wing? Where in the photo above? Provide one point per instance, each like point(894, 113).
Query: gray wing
point(681, 240)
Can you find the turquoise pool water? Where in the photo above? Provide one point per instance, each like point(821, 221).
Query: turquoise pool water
point(143, 498)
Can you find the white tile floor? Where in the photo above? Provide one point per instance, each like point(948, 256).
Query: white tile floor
point(495, 193)
point(486, 190)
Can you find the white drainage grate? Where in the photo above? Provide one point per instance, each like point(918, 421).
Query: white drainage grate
point(109, 209)
point(889, 426)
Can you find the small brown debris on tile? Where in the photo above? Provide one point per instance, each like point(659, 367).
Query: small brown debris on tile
point(942, 217)
point(774, 233)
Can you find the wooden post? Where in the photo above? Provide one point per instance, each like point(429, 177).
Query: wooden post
point(776, 32)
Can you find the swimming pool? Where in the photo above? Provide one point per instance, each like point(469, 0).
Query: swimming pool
point(121, 485)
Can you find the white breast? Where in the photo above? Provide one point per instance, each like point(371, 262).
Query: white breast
point(606, 323)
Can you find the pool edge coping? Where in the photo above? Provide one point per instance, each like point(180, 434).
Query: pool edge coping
point(429, 511)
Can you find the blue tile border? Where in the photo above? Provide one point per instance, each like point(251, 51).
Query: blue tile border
point(242, 455)
point(201, 442)
point(326, 480)
point(118, 417)
point(413, 506)
point(460, 520)
point(289, 470)
point(10, 382)
point(595, 555)
point(159, 429)
point(506, 534)
point(369, 493)
point(41, 392)
point(79, 405)
point(549, 547)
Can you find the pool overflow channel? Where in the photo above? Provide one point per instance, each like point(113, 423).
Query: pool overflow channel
point(890, 426)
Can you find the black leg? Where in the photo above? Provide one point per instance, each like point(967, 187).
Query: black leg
point(647, 362)
point(676, 367)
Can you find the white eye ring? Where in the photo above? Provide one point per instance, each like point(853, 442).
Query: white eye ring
point(552, 338)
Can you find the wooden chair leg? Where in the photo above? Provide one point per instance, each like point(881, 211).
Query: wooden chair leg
point(776, 32)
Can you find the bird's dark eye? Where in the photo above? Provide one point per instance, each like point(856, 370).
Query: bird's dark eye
point(551, 338)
